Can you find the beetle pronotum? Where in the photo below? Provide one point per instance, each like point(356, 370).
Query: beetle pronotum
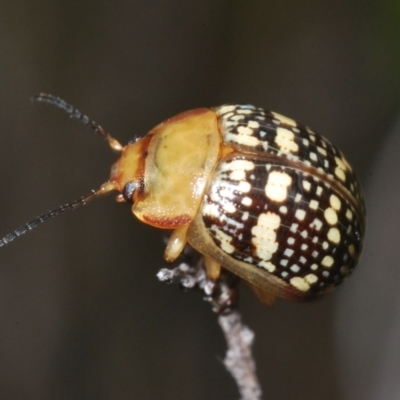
point(253, 191)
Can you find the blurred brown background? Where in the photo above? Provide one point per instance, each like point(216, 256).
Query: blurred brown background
point(82, 315)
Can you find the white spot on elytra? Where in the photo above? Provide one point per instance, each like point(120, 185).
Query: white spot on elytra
point(311, 278)
point(297, 197)
point(304, 247)
point(284, 262)
point(284, 120)
point(317, 224)
point(349, 214)
point(319, 191)
point(277, 184)
point(303, 260)
point(235, 117)
point(293, 227)
point(335, 202)
point(243, 187)
point(322, 151)
point(245, 130)
point(237, 175)
point(283, 209)
point(264, 235)
point(300, 283)
point(247, 201)
point(288, 252)
point(340, 163)
point(245, 216)
point(340, 174)
point(327, 261)
point(238, 165)
point(285, 140)
point(295, 268)
point(226, 109)
point(306, 186)
point(226, 193)
point(334, 235)
point(300, 214)
point(290, 240)
point(212, 210)
point(267, 265)
point(244, 110)
point(313, 204)
point(229, 208)
point(331, 216)
point(238, 225)
point(243, 136)
point(224, 239)
point(313, 157)
point(253, 124)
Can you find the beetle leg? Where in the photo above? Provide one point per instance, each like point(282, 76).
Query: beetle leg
point(266, 297)
point(176, 244)
point(212, 267)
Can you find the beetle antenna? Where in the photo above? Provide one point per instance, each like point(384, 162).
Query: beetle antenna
point(74, 113)
point(106, 187)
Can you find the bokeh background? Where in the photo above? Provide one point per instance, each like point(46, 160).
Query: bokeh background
point(82, 315)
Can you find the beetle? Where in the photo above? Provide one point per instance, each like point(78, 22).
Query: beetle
point(253, 191)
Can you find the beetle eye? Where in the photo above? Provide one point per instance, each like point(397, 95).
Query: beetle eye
point(128, 190)
point(135, 139)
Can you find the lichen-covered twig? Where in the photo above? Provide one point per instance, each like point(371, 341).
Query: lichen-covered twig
point(223, 295)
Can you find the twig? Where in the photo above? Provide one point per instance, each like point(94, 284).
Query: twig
point(223, 295)
point(239, 359)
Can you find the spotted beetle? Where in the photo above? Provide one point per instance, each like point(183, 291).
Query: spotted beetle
point(253, 191)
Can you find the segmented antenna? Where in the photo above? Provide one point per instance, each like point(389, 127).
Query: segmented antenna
point(74, 113)
point(44, 217)
point(106, 187)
